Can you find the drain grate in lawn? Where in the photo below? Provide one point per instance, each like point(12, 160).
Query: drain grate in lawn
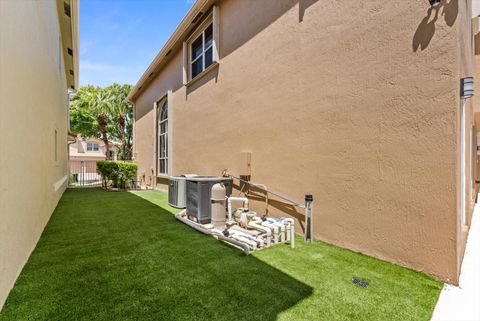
point(123, 256)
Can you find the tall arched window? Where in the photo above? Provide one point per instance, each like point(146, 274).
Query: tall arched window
point(162, 143)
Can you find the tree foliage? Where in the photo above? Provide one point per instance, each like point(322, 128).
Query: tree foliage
point(104, 113)
point(120, 174)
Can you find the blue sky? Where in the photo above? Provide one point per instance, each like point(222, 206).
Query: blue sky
point(119, 38)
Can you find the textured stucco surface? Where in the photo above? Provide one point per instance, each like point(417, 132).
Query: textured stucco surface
point(466, 68)
point(354, 102)
point(34, 104)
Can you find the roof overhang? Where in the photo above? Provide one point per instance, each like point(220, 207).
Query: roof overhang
point(68, 17)
point(175, 41)
point(71, 137)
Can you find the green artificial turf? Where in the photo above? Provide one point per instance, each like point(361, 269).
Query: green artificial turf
point(123, 256)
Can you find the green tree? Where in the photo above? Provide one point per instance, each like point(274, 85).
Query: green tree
point(122, 113)
point(104, 113)
point(82, 119)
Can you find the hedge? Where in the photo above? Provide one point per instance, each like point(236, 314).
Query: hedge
point(119, 174)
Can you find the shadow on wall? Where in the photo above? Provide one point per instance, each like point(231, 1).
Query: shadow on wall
point(426, 29)
point(477, 44)
point(134, 260)
point(303, 6)
point(265, 13)
point(282, 207)
point(255, 16)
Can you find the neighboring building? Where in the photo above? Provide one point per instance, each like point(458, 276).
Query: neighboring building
point(83, 155)
point(355, 102)
point(38, 64)
point(91, 149)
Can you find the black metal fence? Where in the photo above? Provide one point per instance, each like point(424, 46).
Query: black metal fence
point(84, 174)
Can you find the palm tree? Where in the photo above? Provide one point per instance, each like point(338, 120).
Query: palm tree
point(102, 106)
point(104, 113)
point(122, 112)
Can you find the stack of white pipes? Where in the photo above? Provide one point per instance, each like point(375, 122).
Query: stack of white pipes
point(280, 229)
point(271, 230)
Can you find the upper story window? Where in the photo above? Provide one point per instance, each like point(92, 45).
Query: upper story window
point(201, 51)
point(92, 147)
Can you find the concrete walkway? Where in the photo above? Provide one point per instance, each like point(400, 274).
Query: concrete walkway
point(463, 303)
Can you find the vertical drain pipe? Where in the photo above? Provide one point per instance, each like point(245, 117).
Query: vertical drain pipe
point(308, 218)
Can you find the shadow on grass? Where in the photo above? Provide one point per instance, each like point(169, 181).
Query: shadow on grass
point(118, 256)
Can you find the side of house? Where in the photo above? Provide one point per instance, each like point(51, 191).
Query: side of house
point(38, 63)
point(357, 103)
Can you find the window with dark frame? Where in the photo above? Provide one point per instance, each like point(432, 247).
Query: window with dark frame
point(92, 147)
point(201, 51)
point(162, 142)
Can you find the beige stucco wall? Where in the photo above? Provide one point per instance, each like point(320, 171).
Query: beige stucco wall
point(354, 102)
point(33, 105)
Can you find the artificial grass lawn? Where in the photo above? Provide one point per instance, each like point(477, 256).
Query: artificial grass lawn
point(123, 256)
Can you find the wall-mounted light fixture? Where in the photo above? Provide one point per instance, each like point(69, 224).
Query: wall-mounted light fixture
point(466, 87)
point(434, 2)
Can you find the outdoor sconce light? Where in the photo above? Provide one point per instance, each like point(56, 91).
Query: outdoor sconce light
point(434, 3)
point(466, 87)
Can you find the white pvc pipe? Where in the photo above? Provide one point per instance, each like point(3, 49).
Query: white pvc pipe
point(199, 227)
point(248, 236)
point(252, 244)
point(274, 228)
point(282, 231)
point(245, 239)
point(255, 224)
point(278, 222)
point(250, 241)
point(229, 204)
point(291, 227)
point(289, 232)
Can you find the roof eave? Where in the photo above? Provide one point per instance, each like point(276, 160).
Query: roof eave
point(68, 23)
point(178, 35)
point(75, 23)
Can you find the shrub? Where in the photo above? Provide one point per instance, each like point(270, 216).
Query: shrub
point(119, 174)
point(73, 178)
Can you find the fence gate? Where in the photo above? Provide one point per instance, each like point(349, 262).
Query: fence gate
point(84, 174)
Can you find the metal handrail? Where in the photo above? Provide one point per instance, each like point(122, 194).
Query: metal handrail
point(259, 186)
